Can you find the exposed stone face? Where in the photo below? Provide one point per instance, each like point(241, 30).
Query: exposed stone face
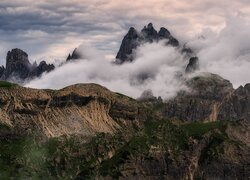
point(149, 33)
point(19, 69)
point(80, 109)
point(129, 43)
point(2, 71)
point(111, 136)
point(133, 39)
point(75, 55)
point(165, 34)
point(202, 101)
point(237, 105)
point(17, 64)
point(40, 69)
point(211, 98)
point(193, 65)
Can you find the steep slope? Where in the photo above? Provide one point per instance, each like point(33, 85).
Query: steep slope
point(74, 56)
point(134, 38)
point(166, 150)
point(18, 67)
point(210, 98)
point(79, 109)
point(85, 131)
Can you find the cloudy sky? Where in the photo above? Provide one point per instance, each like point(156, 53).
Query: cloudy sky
point(49, 29)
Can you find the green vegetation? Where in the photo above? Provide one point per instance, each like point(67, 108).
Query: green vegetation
point(4, 126)
point(105, 154)
point(21, 158)
point(198, 129)
point(214, 148)
point(5, 84)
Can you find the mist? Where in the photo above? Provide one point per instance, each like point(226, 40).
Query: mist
point(158, 67)
point(227, 52)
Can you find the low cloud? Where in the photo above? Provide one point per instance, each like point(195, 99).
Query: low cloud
point(158, 67)
point(226, 53)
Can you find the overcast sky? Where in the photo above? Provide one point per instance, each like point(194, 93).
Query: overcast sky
point(50, 29)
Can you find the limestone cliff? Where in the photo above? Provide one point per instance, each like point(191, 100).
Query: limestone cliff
point(80, 109)
point(209, 98)
point(19, 69)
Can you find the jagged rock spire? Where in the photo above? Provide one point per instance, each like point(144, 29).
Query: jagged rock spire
point(149, 33)
point(18, 67)
point(133, 39)
point(75, 55)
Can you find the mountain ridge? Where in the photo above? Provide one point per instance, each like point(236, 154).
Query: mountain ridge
point(18, 67)
point(84, 108)
point(85, 131)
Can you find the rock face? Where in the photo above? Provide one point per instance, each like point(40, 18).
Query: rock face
point(18, 68)
point(80, 109)
point(85, 131)
point(75, 55)
point(17, 64)
point(2, 71)
point(165, 34)
point(193, 65)
point(37, 71)
point(147, 35)
point(236, 105)
point(202, 158)
point(129, 43)
point(211, 98)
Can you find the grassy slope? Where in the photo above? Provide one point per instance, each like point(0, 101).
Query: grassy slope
point(5, 84)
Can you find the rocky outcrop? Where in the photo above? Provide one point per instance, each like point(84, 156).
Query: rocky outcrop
point(75, 55)
point(149, 34)
point(80, 109)
point(165, 34)
point(183, 151)
point(17, 64)
point(236, 105)
point(85, 131)
point(193, 65)
point(2, 71)
point(43, 67)
point(129, 43)
point(133, 39)
point(210, 98)
point(18, 67)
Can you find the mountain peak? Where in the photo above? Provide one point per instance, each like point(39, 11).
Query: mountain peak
point(74, 56)
point(149, 33)
point(18, 67)
point(164, 33)
point(133, 39)
point(17, 55)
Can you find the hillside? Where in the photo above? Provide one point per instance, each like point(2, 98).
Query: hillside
point(85, 131)
point(79, 109)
